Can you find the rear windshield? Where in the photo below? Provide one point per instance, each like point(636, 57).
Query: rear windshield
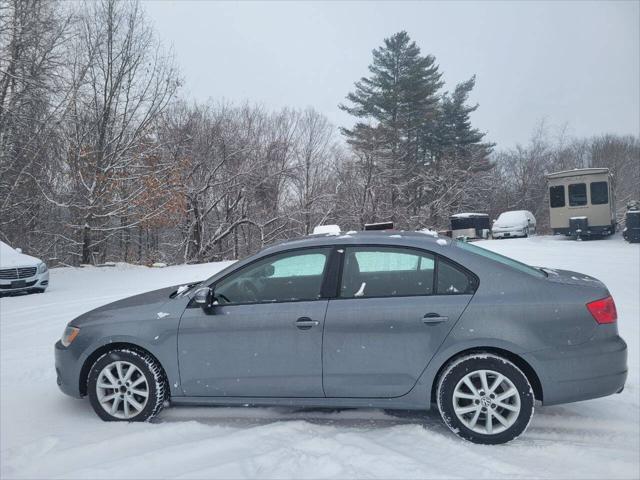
point(483, 252)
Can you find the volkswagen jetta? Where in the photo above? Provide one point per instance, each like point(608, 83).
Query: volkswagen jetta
point(402, 320)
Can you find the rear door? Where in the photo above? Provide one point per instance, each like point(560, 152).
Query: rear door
point(395, 308)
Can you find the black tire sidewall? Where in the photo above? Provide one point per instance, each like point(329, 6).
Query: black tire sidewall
point(131, 357)
point(454, 374)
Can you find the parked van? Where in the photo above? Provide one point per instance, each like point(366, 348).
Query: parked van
point(581, 202)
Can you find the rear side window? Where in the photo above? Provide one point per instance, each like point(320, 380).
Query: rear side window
point(577, 194)
point(556, 195)
point(452, 280)
point(599, 193)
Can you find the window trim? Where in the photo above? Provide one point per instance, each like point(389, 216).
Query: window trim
point(564, 196)
point(591, 184)
point(437, 258)
point(330, 259)
point(586, 198)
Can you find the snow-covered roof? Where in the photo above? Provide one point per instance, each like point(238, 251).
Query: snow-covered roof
point(325, 229)
point(469, 215)
point(577, 172)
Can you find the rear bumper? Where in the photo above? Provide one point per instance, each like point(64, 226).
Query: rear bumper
point(594, 369)
point(592, 230)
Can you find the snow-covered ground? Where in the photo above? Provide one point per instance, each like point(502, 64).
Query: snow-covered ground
point(45, 434)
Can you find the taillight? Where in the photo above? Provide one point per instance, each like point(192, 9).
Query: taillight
point(604, 310)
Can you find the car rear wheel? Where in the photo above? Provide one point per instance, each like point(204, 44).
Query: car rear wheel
point(126, 385)
point(485, 398)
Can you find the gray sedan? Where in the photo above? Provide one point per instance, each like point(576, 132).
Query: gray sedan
point(399, 320)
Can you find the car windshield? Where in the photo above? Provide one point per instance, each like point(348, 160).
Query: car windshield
point(501, 258)
point(511, 218)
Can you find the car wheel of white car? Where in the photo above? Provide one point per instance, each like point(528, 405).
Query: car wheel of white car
point(485, 399)
point(126, 385)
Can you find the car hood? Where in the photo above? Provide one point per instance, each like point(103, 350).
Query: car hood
point(143, 306)
point(13, 259)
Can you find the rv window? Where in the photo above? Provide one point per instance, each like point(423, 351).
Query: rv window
point(556, 194)
point(577, 194)
point(599, 193)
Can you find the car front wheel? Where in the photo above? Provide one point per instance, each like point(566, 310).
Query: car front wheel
point(485, 398)
point(126, 385)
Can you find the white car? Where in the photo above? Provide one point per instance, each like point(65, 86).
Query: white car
point(21, 273)
point(516, 223)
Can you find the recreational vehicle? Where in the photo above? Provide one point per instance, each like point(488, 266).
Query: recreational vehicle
point(581, 202)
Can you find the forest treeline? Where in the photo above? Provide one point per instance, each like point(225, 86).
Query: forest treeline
point(102, 159)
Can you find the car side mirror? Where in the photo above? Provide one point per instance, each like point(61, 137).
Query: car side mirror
point(19, 250)
point(528, 220)
point(203, 297)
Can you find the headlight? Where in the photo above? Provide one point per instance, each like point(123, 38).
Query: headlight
point(42, 267)
point(69, 335)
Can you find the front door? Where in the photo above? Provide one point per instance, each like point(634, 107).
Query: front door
point(263, 338)
point(393, 313)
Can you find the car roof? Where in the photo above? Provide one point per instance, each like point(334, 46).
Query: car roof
point(374, 237)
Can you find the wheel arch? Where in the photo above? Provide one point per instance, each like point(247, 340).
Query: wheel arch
point(106, 348)
point(517, 360)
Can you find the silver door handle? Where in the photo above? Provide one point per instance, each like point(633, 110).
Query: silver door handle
point(305, 323)
point(433, 318)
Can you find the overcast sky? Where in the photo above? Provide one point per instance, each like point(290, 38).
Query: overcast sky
point(574, 63)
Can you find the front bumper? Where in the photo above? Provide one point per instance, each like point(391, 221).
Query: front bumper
point(37, 282)
point(581, 372)
point(68, 366)
point(516, 232)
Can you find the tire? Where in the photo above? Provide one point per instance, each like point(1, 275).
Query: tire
point(526, 232)
point(516, 410)
point(145, 377)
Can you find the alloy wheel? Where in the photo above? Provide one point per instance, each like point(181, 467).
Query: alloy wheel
point(486, 402)
point(122, 390)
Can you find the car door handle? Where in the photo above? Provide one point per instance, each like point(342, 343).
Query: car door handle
point(305, 323)
point(433, 318)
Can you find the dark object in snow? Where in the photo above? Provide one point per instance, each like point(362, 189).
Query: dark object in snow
point(379, 226)
point(631, 232)
point(469, 226)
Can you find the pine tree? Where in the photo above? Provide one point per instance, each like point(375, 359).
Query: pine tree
point(399, 100)
point(456, 137)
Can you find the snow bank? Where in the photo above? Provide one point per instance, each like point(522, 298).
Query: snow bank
point(46, 434)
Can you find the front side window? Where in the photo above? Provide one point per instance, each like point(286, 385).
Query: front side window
point(386, 272)
point(286, 277)
point(556, 196)
point(577, 194)
point(599, 193)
